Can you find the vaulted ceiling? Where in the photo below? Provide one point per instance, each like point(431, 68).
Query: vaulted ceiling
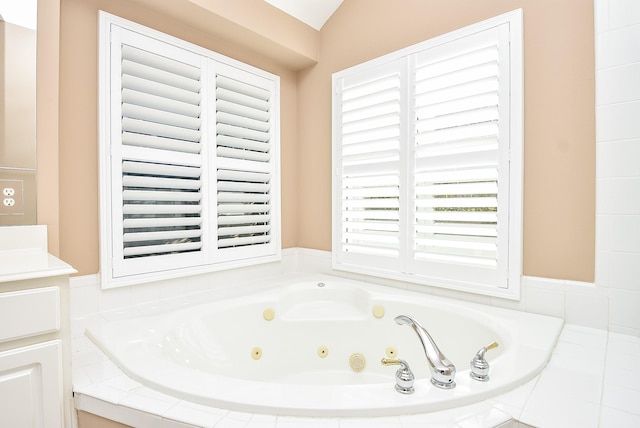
point(312, 12)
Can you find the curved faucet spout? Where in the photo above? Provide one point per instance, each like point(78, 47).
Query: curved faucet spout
point(443, 371)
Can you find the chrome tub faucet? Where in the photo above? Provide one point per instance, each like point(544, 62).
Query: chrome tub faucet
point(443, 371)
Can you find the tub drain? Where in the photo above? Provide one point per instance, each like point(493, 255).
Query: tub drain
point(357, 362)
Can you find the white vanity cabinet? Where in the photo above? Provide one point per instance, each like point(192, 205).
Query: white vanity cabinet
point(35, 369)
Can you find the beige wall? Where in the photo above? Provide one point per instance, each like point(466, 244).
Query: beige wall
point(559, 194)
point(47, 115)
point(559, 109)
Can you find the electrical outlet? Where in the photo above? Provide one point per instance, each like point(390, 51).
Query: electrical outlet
point(12, 197)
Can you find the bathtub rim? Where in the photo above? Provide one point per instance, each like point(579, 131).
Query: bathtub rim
point(542, 346)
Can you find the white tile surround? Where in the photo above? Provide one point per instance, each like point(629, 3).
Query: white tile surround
point(593, 377)
point(617, 29)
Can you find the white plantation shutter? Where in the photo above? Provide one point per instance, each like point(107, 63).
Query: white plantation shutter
point(157, 155)
point(428, 180)
point(189, 158)
point(461, 114)
point(245, 172)
point(370, 135)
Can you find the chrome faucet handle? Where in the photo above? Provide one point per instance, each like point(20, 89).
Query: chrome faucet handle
point(480, 366)
point(404, 375)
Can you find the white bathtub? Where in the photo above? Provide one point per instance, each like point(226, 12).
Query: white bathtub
point(228, 353)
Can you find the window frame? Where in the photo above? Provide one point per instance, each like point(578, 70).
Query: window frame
point(209, 258)
point(403, 267)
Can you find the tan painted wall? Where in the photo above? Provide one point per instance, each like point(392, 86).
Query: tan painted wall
point(559, 194)
point(47, 114)
point(559, 111)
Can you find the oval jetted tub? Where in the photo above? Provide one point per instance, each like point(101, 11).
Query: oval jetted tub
point(312, 346)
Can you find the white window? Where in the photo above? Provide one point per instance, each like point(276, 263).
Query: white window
point(427, 152)
point(189, 159)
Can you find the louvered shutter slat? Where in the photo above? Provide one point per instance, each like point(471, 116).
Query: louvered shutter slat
point(154, 222)
point(239, 241)
point(452, 216)
point(146, 127)
point(248, 177)
point(458, 92)
point(359, 217)
point(477, 230)
point(243, 230)
point(156, 170)
point(160, 143)
point(243, 133)
point(451, 77)
point(239, 88)
point(231, 219)
point(242, 121)
point(147, 250)
point(242, 209)
point(157, 209)
point(426, 108)
point(171, 81)
point(242, 99)
point(456, 202)
point(142, 195)
point(227, 152)
point(242, 144)
point(133, 97)
point(243, 186)
point(161, 63)
point(242, 110)
point(160, 89)
point(160, 117)
point(243, 197)
point(160, 182)
point(168, 235)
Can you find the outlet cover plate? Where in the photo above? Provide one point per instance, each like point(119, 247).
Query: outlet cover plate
point(11, 190)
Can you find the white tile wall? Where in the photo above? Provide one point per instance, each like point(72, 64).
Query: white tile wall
point(617, 28)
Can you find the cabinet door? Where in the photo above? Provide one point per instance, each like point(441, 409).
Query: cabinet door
point(31, 386)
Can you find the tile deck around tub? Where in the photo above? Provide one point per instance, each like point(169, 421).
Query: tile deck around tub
point(591, 380)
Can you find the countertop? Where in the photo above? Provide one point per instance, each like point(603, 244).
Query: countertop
point(16, 265)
